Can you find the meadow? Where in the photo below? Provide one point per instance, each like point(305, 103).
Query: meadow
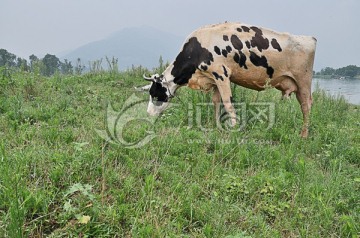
point(60, 178)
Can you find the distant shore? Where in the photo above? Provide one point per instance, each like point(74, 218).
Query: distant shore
point(320, 76)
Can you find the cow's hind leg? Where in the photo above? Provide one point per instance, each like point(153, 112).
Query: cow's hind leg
point(305, 100)
point(288, 85)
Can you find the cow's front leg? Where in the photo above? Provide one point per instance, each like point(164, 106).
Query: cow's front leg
point(216, 99)
point(229, 108)
point(222, 80)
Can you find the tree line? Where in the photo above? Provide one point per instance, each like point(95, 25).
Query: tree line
point(47, 66)
point(50, 64)
point(350, 71)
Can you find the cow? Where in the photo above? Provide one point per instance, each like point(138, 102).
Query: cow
point(215, 56)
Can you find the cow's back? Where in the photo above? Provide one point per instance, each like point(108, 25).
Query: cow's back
point(256, 55)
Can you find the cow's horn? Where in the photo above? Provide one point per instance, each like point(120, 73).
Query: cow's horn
point(148, 78)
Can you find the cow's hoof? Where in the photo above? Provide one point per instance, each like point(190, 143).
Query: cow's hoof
point(304, 133)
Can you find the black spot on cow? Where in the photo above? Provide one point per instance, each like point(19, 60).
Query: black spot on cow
point(228, 48)
point(224, 53)
point(158, 93)
point(204, 67)
point(239, 29)
point(275, 45)
point(226, 38)
point(188, 60)
point(217, 50)
point(240, 59)
point(261, 61)
point(259, 40)
point(225, 71)
point(257, 30)
point(217, 76)
point(236, 57)
point(247, 43)
point(236, 42)
point(245, 28)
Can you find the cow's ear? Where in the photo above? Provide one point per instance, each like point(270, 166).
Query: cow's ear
point(158, 78)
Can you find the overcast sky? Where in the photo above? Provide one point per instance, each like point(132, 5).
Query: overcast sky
point(54, 26)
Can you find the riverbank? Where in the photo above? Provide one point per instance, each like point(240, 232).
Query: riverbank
point(319, 76)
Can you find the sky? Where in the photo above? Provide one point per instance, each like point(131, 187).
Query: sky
point(57, 26)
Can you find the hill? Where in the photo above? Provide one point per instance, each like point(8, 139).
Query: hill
point(132, 46)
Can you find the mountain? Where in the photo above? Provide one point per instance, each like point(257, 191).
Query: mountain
point(131, 46)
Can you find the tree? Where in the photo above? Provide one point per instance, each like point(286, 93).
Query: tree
point(349, 71)
point(66, 67)
point(161, 64)
point(22, 64)
point(33, 60)
point(7, 59)
point(51, 64)
point(327, 71)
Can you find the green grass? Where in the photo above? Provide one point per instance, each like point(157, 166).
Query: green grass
point(56, 171)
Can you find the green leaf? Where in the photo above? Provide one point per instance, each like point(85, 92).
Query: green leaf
point(73, 189)
point(84, 219)
point(68, 207)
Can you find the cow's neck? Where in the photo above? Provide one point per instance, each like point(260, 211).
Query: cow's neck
point(172, 86)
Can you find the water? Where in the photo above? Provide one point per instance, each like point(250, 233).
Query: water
point(349, 88)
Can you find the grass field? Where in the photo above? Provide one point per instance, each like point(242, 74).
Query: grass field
point(59, 178)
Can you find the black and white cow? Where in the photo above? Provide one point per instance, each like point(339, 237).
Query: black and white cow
point(250, 56)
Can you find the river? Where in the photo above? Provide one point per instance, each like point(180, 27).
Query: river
point(349, 88)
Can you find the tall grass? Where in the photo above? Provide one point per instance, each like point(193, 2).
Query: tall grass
point(59, 178)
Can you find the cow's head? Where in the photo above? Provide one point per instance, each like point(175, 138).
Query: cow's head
point(161, 91)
